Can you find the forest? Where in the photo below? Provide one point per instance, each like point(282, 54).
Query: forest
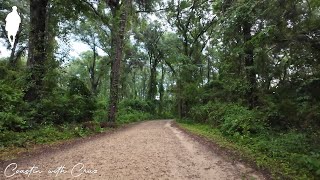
point(243, 73)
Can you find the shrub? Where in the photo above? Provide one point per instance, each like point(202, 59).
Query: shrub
point(230, 118)
point(136, 105)
point(61, 106)
point(101, 113)
point(43, 134)
point(217, 112)
point(200, 113)
point(312, 163)
point(10, 107)
point(238, 119)
point(211, 113)
point(10, 121)
point(133, 116)
point(91, 125)
point(81, 108)
point(53, 108)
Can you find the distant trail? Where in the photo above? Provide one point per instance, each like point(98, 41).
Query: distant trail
point(148, 150)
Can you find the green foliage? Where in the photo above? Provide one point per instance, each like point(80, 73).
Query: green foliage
point(44, 134)
point(53, 108)
point(312, 162)
point(278, 144)
point(77, 87)
point(84, 109)
point(205, 68)
point(238, 119)
point(61, 106)
point(12, 105)
point(201, 113)
point(133, 110)
point(230, 118)
point(101, 112)
point(80, 132)
point(136, 105)
point(10, 121)
point(125, 117)
point(286, 155)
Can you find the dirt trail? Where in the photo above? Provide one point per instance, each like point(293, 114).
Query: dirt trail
point(148, 150)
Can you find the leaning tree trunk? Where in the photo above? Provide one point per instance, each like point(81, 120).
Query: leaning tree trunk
point(37, 49)
point(117, 40)
point(13, 56)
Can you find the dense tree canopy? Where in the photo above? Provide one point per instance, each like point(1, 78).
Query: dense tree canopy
point(247, 68)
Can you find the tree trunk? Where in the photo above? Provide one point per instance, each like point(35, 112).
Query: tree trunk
point(153, 80)
point(161, 89)
point(144, 84)
point(94, 82)
point(37, 49)
point(13, 56)
point(117, 41)
point(208, 70)
point(134, 85)
point(249, 63)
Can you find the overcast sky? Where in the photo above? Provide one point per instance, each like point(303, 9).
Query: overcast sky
point(77, 48)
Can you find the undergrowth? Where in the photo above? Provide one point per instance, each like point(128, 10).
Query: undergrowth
point(284, 155)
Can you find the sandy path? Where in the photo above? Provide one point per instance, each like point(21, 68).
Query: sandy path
point(148, 150)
